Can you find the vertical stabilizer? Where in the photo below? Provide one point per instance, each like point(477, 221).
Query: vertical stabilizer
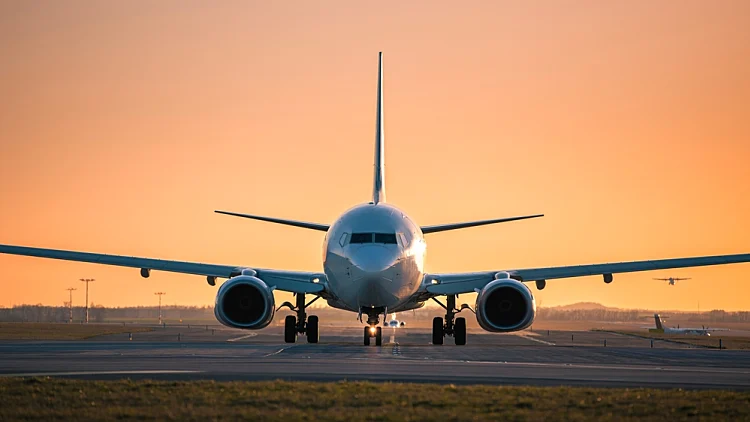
point(657, 319)
point(378, 188)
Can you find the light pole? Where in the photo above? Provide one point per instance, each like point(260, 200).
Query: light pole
point(70, 289)
point(87, 281)
point(160, 294)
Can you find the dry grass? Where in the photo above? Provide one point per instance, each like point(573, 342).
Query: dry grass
point(727, 342)
point(57, 399)
point(51, 331)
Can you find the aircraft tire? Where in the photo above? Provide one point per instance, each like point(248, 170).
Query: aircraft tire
point(290, 329)
point(459, 332)
point(437, 331)
point(379, 336)
point(367, 336)
point(313, 335)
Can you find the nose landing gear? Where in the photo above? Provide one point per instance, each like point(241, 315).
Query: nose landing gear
point(455, 327)
point(301, 324)
point(373, 329)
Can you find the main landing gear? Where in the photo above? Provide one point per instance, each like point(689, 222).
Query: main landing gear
point(301, 324)
point(455, 327)
point(373, 329)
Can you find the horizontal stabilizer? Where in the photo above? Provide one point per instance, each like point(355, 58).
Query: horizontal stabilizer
point(295, 223)
point(454, 226)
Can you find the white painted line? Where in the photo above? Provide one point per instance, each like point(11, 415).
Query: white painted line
point(535, 339)
point(62, 374)
point(243, 337)
point(274, 353)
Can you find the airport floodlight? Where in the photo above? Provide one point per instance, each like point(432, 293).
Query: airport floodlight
point(87, 281)
point(160, 294)
point(70, 303)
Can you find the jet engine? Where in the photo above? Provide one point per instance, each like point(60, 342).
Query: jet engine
point(505, 305)
point(244, 302)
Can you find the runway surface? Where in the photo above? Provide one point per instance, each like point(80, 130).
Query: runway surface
point(557, 358)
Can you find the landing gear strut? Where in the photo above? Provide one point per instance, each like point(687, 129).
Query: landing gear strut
point(301, 324)
point(453, 326)
point(373, 330)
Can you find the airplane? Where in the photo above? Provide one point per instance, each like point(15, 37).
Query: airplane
point(373, 264)
point(703, 331)
point(672, 280)
point(394, 323)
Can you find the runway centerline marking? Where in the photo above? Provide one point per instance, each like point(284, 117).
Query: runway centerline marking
point(243, 337)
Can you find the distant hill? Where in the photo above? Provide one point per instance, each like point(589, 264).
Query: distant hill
point(585, 306)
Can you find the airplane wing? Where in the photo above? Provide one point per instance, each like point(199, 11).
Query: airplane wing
point(444, 284)
point(289, 281)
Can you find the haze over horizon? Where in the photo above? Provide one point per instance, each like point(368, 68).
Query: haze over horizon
point(124, 125)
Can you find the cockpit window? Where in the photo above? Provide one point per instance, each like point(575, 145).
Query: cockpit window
point(385, 238)
point(361, 238)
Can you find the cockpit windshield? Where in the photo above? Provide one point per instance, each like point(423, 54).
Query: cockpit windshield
point(386, 238)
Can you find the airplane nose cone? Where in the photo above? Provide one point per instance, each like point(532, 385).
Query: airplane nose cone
point(374, 258)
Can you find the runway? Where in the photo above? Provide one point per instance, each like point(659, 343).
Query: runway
point(554, 358)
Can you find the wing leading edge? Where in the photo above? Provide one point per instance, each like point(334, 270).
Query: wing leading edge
point(290, 281)
point(457, 283)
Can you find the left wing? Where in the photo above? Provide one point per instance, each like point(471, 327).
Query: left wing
point(443, 284)
point(289, 281)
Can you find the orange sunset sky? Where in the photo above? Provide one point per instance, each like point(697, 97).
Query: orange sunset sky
point(123, 125)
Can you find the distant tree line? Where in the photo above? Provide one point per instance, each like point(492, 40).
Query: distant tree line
point(98, 313)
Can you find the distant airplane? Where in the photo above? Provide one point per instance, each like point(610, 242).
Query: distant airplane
point(373, 262)
point(672, 280)
point(703, 331)
point(394, 323)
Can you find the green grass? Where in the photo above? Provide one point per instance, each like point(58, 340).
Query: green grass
point(727, 342)
point(59, 399)
point(52, 331)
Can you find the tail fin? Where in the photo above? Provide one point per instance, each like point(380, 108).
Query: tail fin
point(657, 319)
point(378, 188)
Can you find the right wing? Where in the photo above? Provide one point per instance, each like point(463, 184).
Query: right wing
point(456, 283)
point(290, 281)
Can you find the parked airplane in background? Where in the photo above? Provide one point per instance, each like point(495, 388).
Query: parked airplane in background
point(703, 331)
point(672, 280)
point(373, 264)
point(394, 323)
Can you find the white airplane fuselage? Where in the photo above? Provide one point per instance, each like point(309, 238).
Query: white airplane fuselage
point(373, 257)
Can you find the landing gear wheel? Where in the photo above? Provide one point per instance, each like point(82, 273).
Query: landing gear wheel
point(437, 331)
point(367, 336)
point(290, 329)
point(459, 331)
point(379, 336)
point(313, 335)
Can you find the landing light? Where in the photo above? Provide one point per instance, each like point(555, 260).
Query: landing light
point(315, 280)
point(435, 281)
point(372, 330)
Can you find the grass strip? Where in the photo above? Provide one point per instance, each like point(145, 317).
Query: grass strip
point(64, 399)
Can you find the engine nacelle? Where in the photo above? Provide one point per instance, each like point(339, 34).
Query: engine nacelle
point(245, 302)
point(505, 305)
